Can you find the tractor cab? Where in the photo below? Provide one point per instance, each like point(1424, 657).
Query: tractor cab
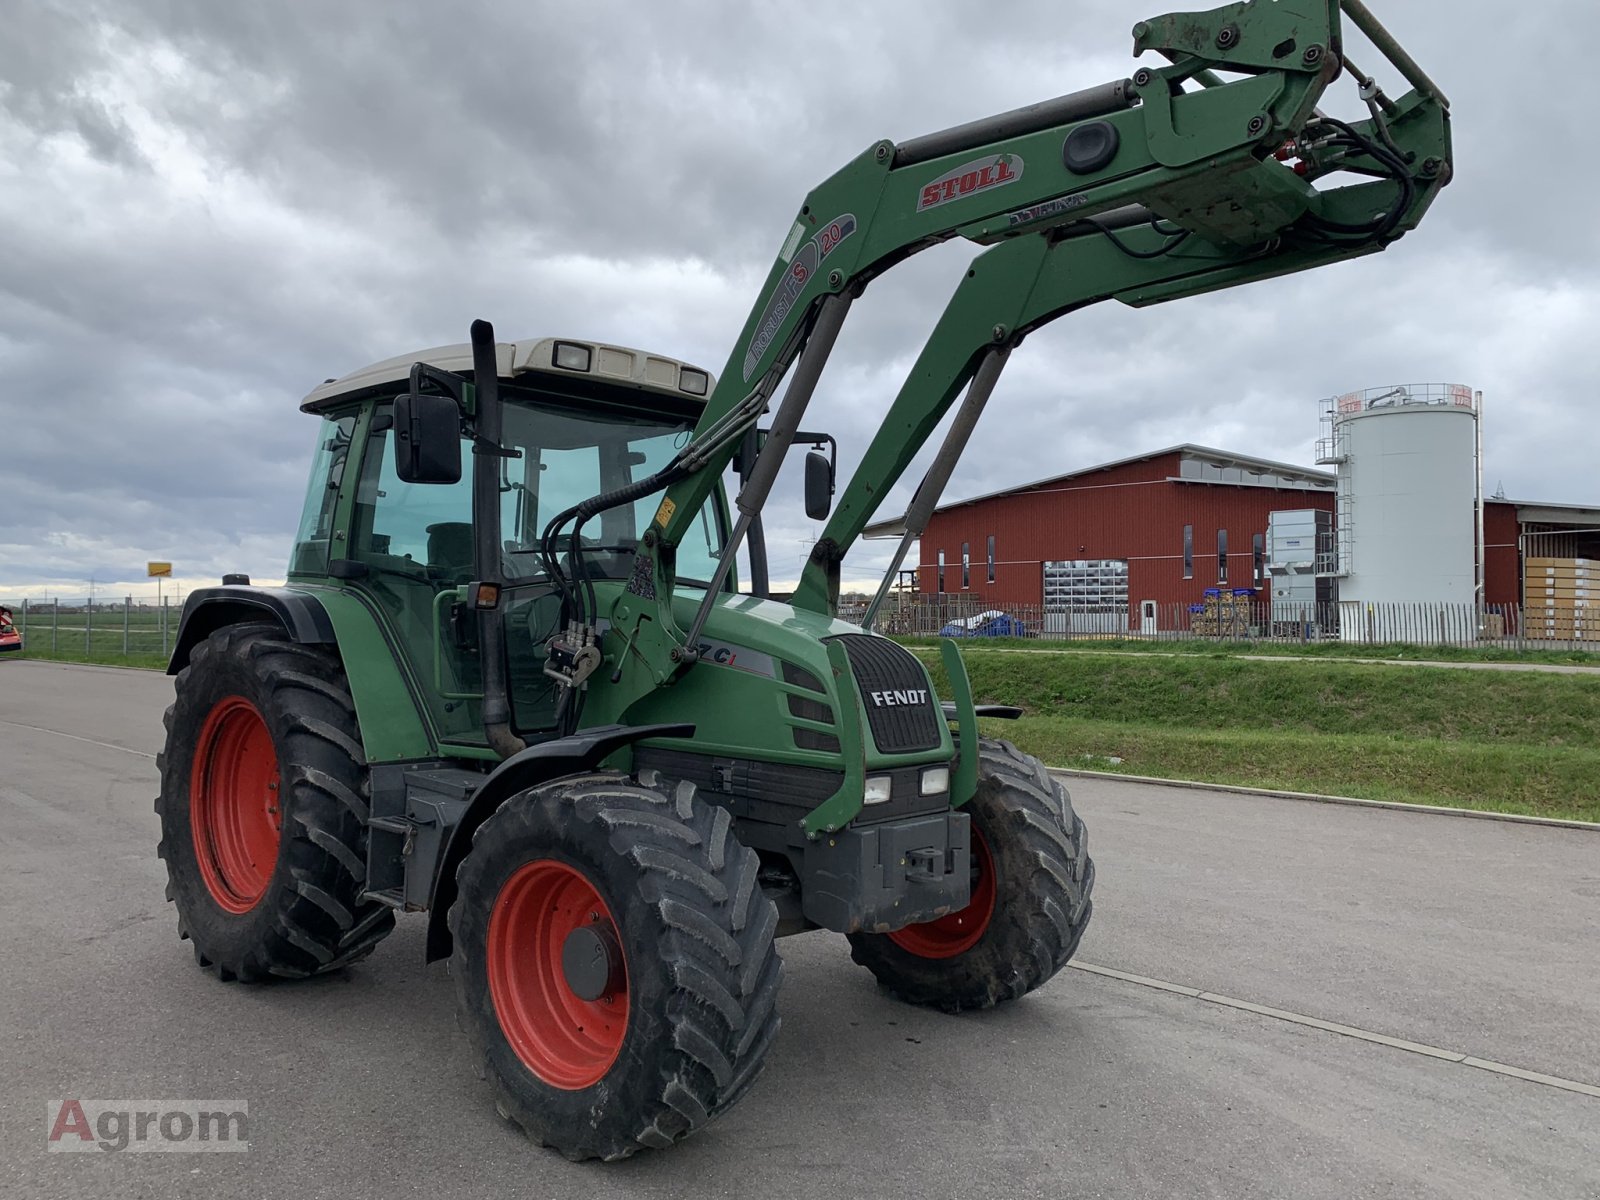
point(578, 419)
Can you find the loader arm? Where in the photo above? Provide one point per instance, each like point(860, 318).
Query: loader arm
point(1028, 282)
point(1224, 181)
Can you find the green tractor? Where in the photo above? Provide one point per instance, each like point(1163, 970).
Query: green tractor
point(514, 681)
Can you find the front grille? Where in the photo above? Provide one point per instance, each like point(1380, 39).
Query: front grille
point(800, 677)
point(810, 710)
point(904, 714)
point(811, 739)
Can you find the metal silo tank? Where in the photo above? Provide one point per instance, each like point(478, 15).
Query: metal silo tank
point(1409, 495)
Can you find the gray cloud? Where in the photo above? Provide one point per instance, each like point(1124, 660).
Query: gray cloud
point(206, 209)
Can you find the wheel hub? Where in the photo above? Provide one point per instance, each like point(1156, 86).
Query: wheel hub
point(591, 960)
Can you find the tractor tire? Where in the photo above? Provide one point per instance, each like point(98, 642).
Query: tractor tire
point(263, 810)
point(614, 963)
point(1030, 897)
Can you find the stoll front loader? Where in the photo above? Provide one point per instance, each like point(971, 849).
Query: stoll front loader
point(513, 682)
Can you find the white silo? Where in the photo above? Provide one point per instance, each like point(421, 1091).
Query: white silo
point(1408, 524)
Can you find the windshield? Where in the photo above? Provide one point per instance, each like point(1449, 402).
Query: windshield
point(562, 454)
point(569, 455)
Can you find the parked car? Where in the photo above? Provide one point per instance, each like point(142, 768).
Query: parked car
point(991, 624)
point(10, 639)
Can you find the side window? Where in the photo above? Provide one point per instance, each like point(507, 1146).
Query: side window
point(412, 528)
point(315, 536)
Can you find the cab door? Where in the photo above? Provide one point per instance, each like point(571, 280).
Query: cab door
point(413, 544)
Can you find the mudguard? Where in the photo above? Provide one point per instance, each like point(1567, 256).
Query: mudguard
point(207, 610)
point(583, 751)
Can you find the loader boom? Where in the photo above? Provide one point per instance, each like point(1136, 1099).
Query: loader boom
point(1175, 182)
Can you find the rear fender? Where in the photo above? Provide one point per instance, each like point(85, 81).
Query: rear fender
point(207, 610)
point(389, 706)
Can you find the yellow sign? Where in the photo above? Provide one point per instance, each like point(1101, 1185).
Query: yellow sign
point(158, 570)
point(664, 513)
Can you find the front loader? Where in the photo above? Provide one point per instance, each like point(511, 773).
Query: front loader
point(514, 682)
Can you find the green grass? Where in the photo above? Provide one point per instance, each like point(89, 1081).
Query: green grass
point(1502, 741)
point(100, 656)
point(1217, 648)
point(1508, 779)
point(79, 637)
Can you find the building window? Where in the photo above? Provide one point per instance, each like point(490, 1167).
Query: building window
point(1222, 556)
point(966, 565)
point(1259, 547)
point(941, 572)
point(991, 558)
point(1188, 551)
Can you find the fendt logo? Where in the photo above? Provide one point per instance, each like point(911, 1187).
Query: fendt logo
point(899, 699)
point(979, 175)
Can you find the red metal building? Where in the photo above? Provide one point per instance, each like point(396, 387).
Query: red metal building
point(1182, 519)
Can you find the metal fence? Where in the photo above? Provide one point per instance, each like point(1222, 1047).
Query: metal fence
point(132, 627)
point(98, 627)
point(1500, 626)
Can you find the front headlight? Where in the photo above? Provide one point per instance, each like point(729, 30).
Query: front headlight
point(877, 790)
point(935, 780)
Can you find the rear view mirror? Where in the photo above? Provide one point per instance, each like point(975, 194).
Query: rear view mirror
point(427, 439)
point(819, 485)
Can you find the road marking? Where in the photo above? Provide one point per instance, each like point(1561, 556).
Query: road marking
point(1433, 810)
point(1350, 1031)
point(76, 738)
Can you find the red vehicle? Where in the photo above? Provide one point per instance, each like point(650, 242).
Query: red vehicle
point(10, 639)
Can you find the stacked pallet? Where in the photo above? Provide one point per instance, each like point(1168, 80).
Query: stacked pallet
point(1561, 599)
point(1224, 614)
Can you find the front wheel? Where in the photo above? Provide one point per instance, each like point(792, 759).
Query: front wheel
point(614, 963)
point(1029, 906)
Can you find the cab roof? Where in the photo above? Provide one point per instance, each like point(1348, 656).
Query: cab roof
point(605, 363)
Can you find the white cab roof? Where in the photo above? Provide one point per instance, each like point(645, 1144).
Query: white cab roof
point(613, 364)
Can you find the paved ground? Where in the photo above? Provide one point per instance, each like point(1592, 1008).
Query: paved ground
point(1473, 936)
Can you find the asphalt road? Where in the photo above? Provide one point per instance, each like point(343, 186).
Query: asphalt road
point(1475, 937)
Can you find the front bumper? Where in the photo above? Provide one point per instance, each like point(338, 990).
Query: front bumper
point(883, 877)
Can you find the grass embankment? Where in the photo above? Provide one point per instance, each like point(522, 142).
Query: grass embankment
point(1227, 648)
point(1520, 742)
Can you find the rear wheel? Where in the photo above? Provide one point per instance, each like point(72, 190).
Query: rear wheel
point(1030, 904)
point(263, 809)
point(614, 963)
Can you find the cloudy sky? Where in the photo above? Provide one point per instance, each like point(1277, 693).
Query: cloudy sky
point(206, 209)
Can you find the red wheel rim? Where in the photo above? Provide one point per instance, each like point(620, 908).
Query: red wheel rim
point(234, 805)
point(568, 1042)
point(957, 932)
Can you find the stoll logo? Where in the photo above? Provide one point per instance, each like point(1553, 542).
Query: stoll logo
point(897, 699)
point(979, 175)
point(147, 1126)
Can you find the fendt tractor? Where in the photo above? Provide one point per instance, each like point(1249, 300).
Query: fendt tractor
point(514, 681)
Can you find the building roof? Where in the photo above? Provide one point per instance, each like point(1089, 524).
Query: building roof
point(1197, 464)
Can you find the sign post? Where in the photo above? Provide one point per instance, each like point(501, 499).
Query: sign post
point(159, 571)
